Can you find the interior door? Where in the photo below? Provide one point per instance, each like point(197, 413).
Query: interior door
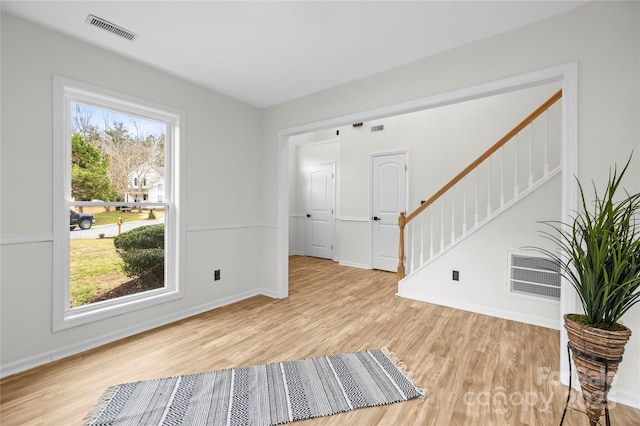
point(320, 191)
point(389, 198)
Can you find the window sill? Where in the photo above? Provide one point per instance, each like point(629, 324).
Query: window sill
point(119, 306)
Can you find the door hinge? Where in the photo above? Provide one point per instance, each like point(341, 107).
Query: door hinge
point(405, 167)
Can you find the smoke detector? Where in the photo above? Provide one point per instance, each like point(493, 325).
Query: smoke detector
point(112, 28)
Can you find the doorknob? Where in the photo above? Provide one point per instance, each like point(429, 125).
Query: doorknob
point(308, 215)
point(375, 218)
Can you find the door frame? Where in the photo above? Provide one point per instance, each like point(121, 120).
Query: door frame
point(372, 155)
point(307, 202)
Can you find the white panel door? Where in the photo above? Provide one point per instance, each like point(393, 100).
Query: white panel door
point(320, 205)
point(389, 198)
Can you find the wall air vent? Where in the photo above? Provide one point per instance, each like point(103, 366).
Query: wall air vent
point(378, 128)
point(534, 275)
point(108, 26)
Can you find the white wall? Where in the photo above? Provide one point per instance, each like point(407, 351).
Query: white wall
point(602, 37)
point(222, 172)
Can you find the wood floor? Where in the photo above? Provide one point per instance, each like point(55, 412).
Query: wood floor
point(478, 370)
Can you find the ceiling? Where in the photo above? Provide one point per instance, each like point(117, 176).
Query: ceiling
point(268, 52)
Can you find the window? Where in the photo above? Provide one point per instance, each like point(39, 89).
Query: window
point(107, 148)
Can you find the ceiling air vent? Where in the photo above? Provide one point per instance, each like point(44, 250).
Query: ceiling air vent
point(108, 26)
point(534, 275)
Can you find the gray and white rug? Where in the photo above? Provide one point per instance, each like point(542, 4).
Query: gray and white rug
point(267, 394)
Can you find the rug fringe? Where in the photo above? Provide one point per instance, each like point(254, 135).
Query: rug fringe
point(405, 372)
point(102, 403)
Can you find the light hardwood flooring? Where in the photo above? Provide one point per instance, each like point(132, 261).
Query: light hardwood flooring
point(477, 370)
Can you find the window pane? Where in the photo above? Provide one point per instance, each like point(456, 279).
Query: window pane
point(117, 250)
point(116, 157)
point(115, 253)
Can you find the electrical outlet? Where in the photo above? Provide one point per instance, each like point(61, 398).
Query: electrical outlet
point(216, 275)
point(455, 276)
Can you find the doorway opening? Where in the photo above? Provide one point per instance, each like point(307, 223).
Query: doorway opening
point(565, 75)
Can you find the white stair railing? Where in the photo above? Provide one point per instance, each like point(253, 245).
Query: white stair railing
point(516, 165)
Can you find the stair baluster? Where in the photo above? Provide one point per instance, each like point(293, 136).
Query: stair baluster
point(416, 256)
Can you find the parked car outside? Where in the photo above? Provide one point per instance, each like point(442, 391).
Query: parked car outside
point(83, 220)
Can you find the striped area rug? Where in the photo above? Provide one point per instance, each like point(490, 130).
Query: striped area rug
point(269, 394)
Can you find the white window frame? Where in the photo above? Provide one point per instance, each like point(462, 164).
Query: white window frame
point(65, 92)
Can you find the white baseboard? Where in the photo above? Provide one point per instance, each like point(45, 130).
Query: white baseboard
point(301, 253)
point(480, 309)
point(355, 265)
point(65, 351)
point(266, 292)
point(623, 397)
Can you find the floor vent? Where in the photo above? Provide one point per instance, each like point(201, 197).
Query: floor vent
point(534, 275)
point(112, 28)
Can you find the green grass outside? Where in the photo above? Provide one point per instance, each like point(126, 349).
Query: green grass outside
point(95, 269)
point(110, 218)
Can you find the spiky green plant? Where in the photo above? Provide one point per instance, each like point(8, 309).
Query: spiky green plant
point(601, 252)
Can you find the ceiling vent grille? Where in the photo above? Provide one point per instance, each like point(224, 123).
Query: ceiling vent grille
point(533, 275)
point(108, 26)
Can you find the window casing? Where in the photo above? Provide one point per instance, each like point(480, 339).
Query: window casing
point(66, 92)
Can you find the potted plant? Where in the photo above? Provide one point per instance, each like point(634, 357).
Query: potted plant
point(600, 257)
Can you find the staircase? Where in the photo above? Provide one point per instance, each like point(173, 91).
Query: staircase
point(515, 166)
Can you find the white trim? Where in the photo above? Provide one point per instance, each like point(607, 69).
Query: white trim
point(205, 228)
point(322, 142)
point(355, 265)
point(9, 240)
point(353, 219)
point(65, 92)
point(65, 351)
point(509, 84)
point(282, 246)
point(569, 158)
point(480, 309)
point(304, 216)
point(623, 397)
point(26, 239)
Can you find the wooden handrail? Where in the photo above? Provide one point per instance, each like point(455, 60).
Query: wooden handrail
point(404, 219)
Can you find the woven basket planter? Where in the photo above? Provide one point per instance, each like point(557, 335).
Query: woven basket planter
point(601, 344)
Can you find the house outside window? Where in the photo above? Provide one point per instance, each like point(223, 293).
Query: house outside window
point(148, 183)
